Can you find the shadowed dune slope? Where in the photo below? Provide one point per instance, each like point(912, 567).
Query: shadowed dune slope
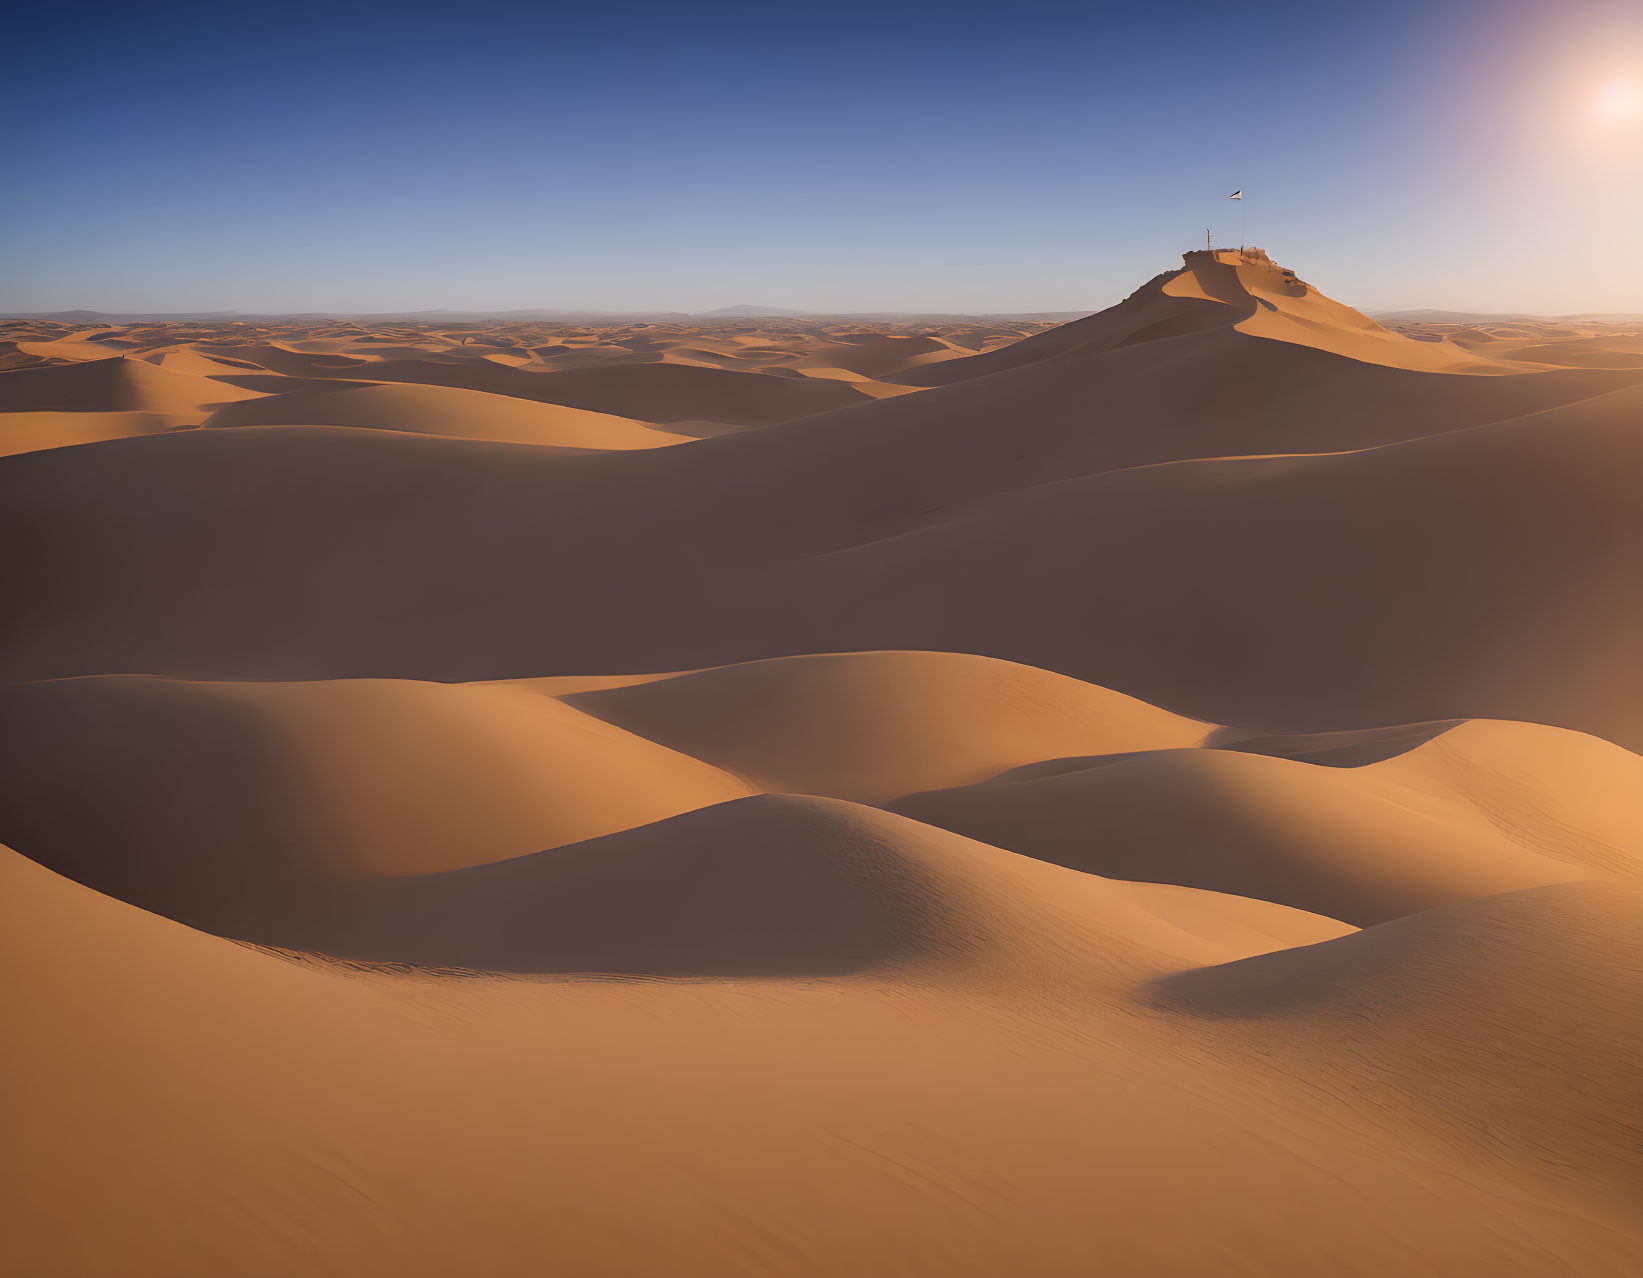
point(31, 432)
point(769, 886)
point(1482, 808)
point(444, 410)
point(224, 804)
point(652, 392)
point(878, 356)
point(1482, 573)
point(1218, 393)
point(675, 392)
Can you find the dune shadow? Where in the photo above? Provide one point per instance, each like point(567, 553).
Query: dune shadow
point(762, 887)
point(1349, 749)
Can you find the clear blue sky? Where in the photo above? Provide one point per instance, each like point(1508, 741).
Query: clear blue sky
point(842, 156)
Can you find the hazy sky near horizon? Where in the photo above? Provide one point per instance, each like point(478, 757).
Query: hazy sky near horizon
point(1478, 154)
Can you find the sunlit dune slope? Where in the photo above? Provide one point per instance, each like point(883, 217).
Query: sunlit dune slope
point(236, 802)
point(207, 1123)
point(1230, 289)
point(101, 396)
point(112, 385)
point(1510, 1022)
point(1481, 808)
point(872, 726)
point(444, 410)
point(252, 809)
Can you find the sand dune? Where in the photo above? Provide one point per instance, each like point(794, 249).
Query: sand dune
point(1472, 812)
point(225, 804)
point(1239, 290)
point(879, 356)
point(112, 385)
point(101, 397)
point(873, 726)
point(30, 432)
point(319, 786)
point(670, 392)
point(1498, 588)
point(444, 410)
point(918, 828)
point(59, 350)
point(1461, 605)
point(1429, 1010)
point(646, 392)
point(222, 1104)
point(771, 886)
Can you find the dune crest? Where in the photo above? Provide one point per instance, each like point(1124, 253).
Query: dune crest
point(444, 410)
point(873, 726)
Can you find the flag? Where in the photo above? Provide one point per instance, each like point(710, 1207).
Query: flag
point(1237, 195)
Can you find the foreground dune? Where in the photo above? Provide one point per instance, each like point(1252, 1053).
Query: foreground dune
point(1560, 959)
point(427, 1135)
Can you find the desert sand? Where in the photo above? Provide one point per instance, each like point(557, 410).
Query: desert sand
point(1158, 794)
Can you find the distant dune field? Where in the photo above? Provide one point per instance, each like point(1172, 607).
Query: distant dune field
point(1159, 794)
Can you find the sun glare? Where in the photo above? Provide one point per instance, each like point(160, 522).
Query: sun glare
point(1619, 99)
